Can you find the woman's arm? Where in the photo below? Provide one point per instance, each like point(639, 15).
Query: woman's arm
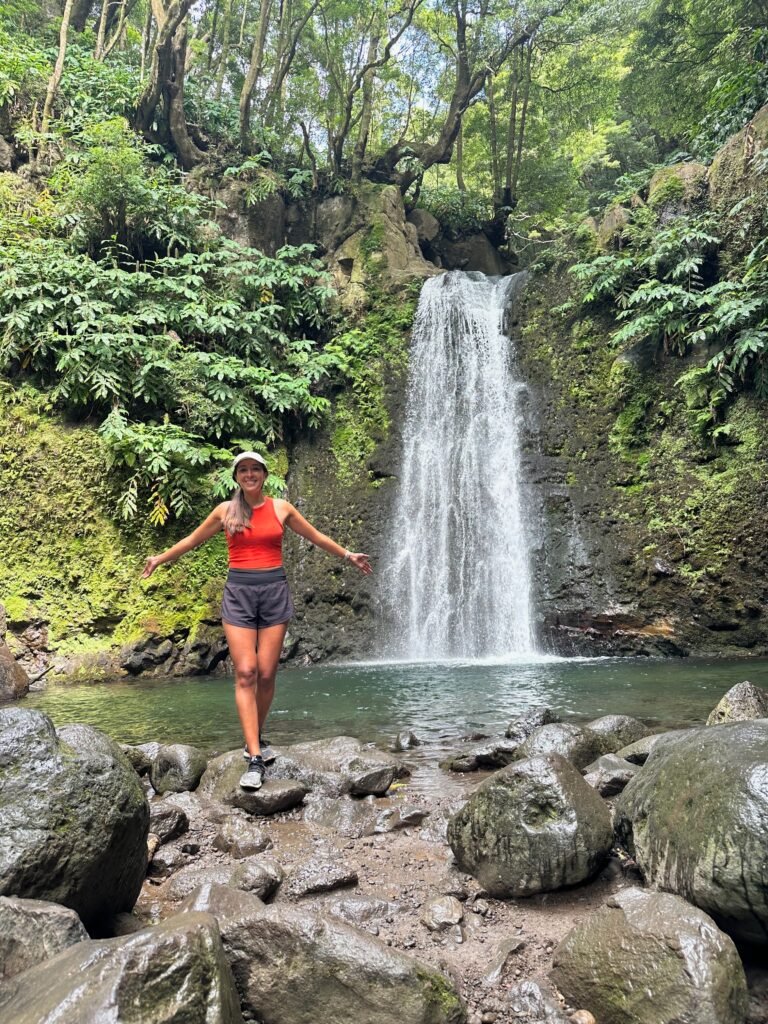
point(296, 521)
point(209, 528)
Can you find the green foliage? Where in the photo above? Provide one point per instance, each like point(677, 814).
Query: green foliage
point(666, 293)
point(106, 190)
point(24, 70)
point(456, 210)
point(182, 355)
point(262, 181)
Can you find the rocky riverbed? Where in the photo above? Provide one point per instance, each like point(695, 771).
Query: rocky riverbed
point(560, 873)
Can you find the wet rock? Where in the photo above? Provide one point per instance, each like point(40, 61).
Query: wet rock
point(73, 817)
point(258, 875)
point(496, 753)
point(534, 826)
point(34, 930)
point(696, 821)
point(339, 765)
point(461, 763)
point(359, 910)
point(346, 817)
point(394, 818)
point(617, 731)
point(406, 740)
point(348, 972)
point(609, 774)
point(193, 876)
point(167, 821)
point(504, 954)
point(742, 703)
point(177, 768)
point(14, 682)
point(639, 751)
point(320, 876)
point(167, 860)
point(520, 728)
point(442, 912)
point(138, 757)
point(579, 746)
point(171, 972)
point(651, 958)
point(535, 1003)
point(240, 837)
point(221, 782)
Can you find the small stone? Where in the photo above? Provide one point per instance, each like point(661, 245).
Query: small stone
point(582, 1017)
point(442, 913)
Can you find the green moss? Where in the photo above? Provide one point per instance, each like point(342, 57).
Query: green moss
point(375, 349)
point(67, 562)
point(667, 186)
point(445, 1007)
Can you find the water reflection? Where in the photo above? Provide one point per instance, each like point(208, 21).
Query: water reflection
point(439, 701)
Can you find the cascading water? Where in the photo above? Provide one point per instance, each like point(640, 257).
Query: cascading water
point(458, 579)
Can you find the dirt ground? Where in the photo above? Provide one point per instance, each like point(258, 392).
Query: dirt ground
point(496, 944)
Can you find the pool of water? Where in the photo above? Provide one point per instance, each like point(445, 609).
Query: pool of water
point(440, 702)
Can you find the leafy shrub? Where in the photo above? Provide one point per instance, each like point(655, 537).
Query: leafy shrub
point(107, 191)
point(663, 291)
point(456, 210)
point(181, 355)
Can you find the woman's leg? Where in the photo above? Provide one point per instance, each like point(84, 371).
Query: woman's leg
point(242, 649)
point(269, 645)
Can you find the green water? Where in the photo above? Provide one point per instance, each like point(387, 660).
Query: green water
point(439, 702)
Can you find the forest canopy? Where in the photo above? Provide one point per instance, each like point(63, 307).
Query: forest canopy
point(120, 299)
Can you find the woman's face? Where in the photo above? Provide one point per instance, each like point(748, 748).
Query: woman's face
point(250, 475)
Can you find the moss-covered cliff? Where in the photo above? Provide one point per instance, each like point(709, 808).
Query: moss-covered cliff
point(652, 539)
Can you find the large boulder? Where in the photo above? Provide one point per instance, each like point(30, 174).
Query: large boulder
point(221, 783)
point(651, 958)
point(288, 962)
point(177, 768)
point(175, 971)
point(742, 703)
point(14, 682)
point(32, 931)
point(617, 731)
point(578, 745)
point(734, 172)
point(338, 765)
point(696, 821)
point(534, 826)
point(73, 817)
point(609, 774)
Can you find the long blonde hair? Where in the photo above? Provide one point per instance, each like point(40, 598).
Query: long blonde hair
point(238, 514)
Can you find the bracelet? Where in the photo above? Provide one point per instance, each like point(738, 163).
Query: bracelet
point(347, 555)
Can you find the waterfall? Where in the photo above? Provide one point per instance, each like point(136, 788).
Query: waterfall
point(456, 580)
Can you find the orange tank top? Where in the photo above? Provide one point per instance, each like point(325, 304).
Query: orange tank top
point(259, 545)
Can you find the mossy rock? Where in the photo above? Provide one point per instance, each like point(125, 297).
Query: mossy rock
point(734, 173)
point(679, 186)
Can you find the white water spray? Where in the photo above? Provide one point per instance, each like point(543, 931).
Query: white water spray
point(457, 580)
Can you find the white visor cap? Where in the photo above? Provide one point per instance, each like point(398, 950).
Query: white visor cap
point(249, 455)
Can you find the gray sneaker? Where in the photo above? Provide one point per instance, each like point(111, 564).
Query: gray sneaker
point(254, 774)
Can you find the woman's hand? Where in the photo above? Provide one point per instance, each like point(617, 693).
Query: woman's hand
point(360, 561)
point(150, 565)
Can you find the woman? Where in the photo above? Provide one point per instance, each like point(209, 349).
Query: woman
point(257, 604)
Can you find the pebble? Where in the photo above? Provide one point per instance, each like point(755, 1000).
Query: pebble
point(582, 1017)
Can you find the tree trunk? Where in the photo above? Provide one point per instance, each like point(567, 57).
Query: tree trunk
point(224, 55)
point(253, 74)
point(460, 160)
point(55, 79)
point(494, 140)
point(165, 89)
point(367, 110)
point(81, 10)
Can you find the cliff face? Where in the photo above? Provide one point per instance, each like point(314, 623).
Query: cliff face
point(650, 541)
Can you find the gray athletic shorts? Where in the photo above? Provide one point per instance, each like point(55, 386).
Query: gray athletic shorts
point(256, 598)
